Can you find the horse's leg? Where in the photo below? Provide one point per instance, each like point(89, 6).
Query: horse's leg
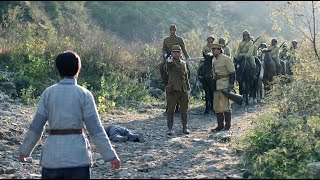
point(207, 98)
point(260, 90)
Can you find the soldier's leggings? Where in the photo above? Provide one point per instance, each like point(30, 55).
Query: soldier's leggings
point(220, 102)
point(177, 96)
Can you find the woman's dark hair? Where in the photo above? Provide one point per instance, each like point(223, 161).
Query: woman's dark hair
point(68, 63)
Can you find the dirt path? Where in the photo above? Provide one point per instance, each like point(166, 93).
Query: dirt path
point(199, 155)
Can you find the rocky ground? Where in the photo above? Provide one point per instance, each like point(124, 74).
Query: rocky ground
point(200, 155)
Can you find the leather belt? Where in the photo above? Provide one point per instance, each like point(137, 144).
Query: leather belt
point(64, 131)
point(221, 76)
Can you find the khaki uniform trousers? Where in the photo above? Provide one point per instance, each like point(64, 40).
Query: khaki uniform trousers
point(177, 96)
point(221, 102)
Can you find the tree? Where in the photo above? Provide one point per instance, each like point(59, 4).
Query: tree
point(300, 15)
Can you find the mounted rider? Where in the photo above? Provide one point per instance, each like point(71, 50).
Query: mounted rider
point(274, 50)
point(284, 56)
point(168, 43)
point(261, 47)
point(225, 47)
point(245, 49)
point(208, 47)
point(294, 50)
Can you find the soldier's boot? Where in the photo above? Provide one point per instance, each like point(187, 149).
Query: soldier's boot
point(220, 120)
point(227, 119)
point(170, 123)
point(184, 120)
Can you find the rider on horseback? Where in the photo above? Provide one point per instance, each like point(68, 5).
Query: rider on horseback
point(245, 49)
point(274, 48)
point(285, 58)
point(225, 48)
point(208, 47)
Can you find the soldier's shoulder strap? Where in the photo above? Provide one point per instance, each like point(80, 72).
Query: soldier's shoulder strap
point(243, 45)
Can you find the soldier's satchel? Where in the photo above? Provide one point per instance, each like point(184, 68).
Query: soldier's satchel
point(169, 88)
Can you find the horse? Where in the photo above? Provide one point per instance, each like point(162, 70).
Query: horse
point(205, 76)
point(269, 67)
point(248, 86)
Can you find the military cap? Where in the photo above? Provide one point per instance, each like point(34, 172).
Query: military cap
point(216, 46)
point(263, 45)
point(211, 36)
point(173, 27)
point(176, 48)
point(246, 33)
point(221, 39)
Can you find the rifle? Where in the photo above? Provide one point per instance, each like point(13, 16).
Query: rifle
point(227, 43)
point(166, 54)
point(282, 44)
point(256, 39)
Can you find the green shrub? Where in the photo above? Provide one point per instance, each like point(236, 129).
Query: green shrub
point(285, 141)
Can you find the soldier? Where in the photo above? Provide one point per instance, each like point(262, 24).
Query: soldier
point(245, 49)
point(177, 88)
point(225, 48)
point(285, 55)
point(208, 47)
point(274, 50)
point(293, 50)
point(168, 43)
point(260, 48)
point(225, 76)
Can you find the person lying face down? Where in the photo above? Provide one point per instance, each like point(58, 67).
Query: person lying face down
point(119, 133)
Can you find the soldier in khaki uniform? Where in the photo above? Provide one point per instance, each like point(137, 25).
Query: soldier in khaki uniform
point(245, 49)
point(285, 55)
point(226, 49)
point(177, 88)
point(293, 50)
point(260, 48)
point(168, 43)
point(224, 74)
point(208, 47)
point(275, 53)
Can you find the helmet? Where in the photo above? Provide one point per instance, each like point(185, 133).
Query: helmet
point(263, 45)
point(274, 40)
point(221, 40)
point(211, 36)
point(294, 41)
point(246, 33)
